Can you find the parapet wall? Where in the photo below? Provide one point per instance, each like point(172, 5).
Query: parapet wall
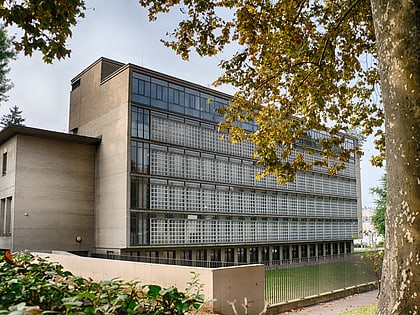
point(223, 285)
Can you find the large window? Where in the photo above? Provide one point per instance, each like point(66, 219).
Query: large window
point(4, 164)
point(139, 193)
point(5, 216)
point(140, 122)
point(139, 228)
point(140, 157)
point(242, 258)
point(253, 255)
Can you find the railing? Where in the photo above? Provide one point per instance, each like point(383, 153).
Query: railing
point(168, 261)
point(296, 281)
point(269, 265)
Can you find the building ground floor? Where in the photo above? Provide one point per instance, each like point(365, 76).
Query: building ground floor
point(228, 255)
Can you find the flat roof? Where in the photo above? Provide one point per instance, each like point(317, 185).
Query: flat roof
point(10, 131)
point(160, 75)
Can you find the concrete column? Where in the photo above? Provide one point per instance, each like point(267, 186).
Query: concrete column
point(260, 252)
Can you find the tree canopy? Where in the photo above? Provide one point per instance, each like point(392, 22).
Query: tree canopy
point(45, 24)
point(325, 66)
point(7, 53)
point(378, 219)
point(14, 117)
point(300, 66)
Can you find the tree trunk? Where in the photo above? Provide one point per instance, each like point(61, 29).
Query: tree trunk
point(397, 28)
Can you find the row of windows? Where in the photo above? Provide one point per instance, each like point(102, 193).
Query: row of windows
point(179, 231)
point(313, 139)
point(206, 137)
point(262, 254)
point(207, 199)
point(168, 96)
point(179, 99)
point(209, 167)
point(188, 133)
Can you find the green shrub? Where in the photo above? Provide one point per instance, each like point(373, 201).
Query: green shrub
point(34, 285)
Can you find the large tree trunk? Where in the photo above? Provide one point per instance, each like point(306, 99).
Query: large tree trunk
point(397, 27)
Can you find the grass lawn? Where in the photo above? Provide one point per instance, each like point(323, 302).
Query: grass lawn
point(301, 281)
point(364, 310)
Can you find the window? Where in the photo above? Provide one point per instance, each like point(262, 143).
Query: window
point(304, 250)
point(4, 165)
point(158, 160)
point(295, 251)
point(192, 130)
point(253, 255)
point(275, 253)
point(193, 195)
point(242, 255)
point(201, 254)
point(176, 195)
point(152, 256)
point(192, 160)
point(327, 249)
point(335, 248)
point(139, 228)
point(168, 256)
point(285, 252)
point(159, 93)
point(5, 216)
point(176, 162)
point(139, 193)
point(140, 122)
point(311, 250)
point(229, 255)
point(176, 131)
point(207, 167)
point(215, 257)
point(141, 88)
point(139, 157)
point(159, 127)
point(320, 250)
point(185, 254)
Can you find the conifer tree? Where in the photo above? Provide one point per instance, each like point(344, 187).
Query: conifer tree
point(13, 118)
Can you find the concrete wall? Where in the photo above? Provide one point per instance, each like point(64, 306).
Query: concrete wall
point(235, 284)
point(223, 284)
point(7, 183)
point(100, 108)
point(54, 195)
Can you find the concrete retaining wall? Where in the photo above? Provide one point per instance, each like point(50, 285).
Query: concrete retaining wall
point(224, 285)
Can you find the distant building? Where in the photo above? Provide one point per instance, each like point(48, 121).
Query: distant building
point(167, 186)
point(369, 235)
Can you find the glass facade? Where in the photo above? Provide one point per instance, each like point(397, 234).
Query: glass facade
point(190, 187)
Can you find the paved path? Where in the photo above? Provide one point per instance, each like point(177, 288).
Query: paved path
point(338, 306)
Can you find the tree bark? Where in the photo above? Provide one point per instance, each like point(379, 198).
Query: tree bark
point(397, 29)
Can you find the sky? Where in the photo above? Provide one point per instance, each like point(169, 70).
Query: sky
point(118, 30)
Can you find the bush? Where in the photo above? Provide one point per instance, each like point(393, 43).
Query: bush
point(33, 285)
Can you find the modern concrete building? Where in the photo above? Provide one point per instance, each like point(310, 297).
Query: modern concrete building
point(167, 186)
point(46, 190)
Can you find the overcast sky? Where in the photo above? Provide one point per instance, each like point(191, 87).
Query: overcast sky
point(119, 30)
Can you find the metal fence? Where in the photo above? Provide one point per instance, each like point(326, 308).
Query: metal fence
point(291, 281)
point(167, 261)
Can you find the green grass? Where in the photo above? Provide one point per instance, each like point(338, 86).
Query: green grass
point(364, 310)
point(298, 282)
